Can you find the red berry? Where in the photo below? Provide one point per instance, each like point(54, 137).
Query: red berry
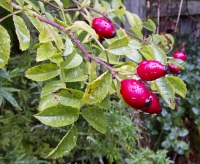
point(135, 93)
point(151, 70)
point(180, 55)
point(173, 68)
point(103, 27)
point(155, 106)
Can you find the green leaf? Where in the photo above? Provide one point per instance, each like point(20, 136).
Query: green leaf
point(149, 25)
point(44, 36)
point(45, 51)
point(74, 75)
point(134, 20)
point(52, 87)
point(96, 118)
point(32, 6)
point(92, 70)
point(56, 58)
point(113, 59)
point(196, 111)
point(20, 2)
point(137, 32)
point(166, 91)
point(171, 38)
point(60, 22)
point(4, 92)
point(146, 51)
point(178, 62)
point(183, 132)
point(85, 3)
point(183, 145)
point(59, 115)
point(55, 36)
point(76, 61)
point(178, 85)
point(5, 47)
point(97, 90)
point(66, 3)
point(69, 97)
point(159, 55)
point(43, 72)
point(35, 21)
point(66, 144)
point(134, 56)
point(83, 25)
point(47, 101)
point(22, 32)
point(5, 5)
point(120, 46)
point(120, 42)
point(105, 103)
point(69, 47)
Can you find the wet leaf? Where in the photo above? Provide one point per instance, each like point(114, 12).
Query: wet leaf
point(4, 47)
point(66, 144)
point(96, 118)
point(59, 115)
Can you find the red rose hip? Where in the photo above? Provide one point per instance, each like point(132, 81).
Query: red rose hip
point(103, 27)
point(180, 55)
point(155, 106)
point(150, 70)
point(173, 68)
point(135, 93)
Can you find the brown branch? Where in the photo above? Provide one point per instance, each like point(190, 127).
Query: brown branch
point(75, 40)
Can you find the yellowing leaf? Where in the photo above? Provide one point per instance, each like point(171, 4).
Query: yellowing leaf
point(97, 90)
point(178, 85)
point(4, 46)
point(5, 5)
point(22, 32)
point(43, 72)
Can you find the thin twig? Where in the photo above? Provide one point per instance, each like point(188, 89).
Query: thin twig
point(158, 17)
point(179, 13)
point(174, 158)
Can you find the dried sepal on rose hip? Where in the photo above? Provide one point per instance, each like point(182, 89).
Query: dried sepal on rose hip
point(180, 55)
point(103, 27)
point(155, 106)
point(149, 70)
point(135, 93)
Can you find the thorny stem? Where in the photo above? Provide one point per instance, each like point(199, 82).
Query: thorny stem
point(75, 40)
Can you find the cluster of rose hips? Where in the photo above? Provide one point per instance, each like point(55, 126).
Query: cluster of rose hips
point(134, 92)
